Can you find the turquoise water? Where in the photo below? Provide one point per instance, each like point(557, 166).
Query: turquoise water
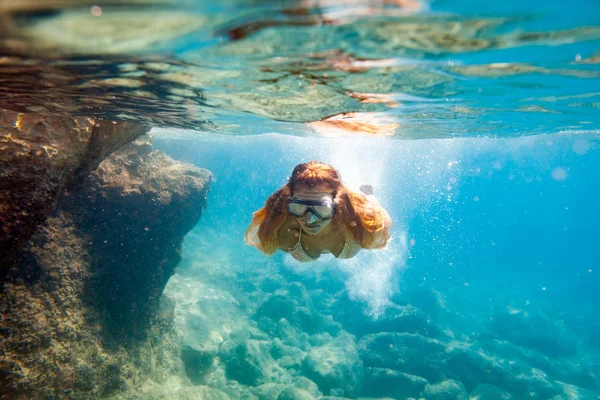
point(476, 123)
point(492, 256)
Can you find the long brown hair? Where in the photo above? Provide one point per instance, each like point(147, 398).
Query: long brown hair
point(362, 219)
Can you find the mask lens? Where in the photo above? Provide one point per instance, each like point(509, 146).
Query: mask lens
point(324, 212)
point(296, 209)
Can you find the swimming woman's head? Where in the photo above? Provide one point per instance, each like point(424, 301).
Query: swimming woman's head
point(315, 196)
point(314, 174)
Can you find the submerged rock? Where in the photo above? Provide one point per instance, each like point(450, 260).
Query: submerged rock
point(336, 365)
point(535, 330)
point(429, 300)
point(574, 392)
point(445, 390)
point(489, 392)
point(472, 367)
point(40, 156)
point(408, 353)
point(577, 371)
point(191, 393)
point(387, 382)
point(304, 383)
point(81, 311)
point(136, 208)
point(197, 363)
point(353, 316)
point(295, 305)
point(294, 393)
point(279, 306)
point(288, 357)
point(268, 391)
point(251, 364)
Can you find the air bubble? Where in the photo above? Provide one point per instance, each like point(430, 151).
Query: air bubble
point(559, 174)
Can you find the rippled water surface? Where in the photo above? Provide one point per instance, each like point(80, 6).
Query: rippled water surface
point(406, 68)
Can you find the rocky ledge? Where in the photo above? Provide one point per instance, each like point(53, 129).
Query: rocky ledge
point(40, 156)
point(80, 299)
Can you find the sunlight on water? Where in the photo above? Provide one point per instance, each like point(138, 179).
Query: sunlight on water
point(369, 68)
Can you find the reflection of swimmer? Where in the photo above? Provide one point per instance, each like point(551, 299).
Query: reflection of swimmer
point(315, 213)
point(361, 123)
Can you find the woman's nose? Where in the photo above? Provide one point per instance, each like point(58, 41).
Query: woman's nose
point(309, 217)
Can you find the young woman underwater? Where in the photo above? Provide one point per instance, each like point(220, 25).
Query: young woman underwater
point(315, 213)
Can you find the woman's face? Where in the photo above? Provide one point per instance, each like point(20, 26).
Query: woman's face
point(310, 222)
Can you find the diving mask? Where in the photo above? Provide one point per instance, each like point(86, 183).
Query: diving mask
point(323, 209)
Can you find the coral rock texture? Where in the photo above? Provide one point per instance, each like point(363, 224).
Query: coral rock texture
point(80, 311)
point(39, 157)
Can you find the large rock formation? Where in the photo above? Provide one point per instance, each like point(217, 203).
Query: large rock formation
point(136, 208)
point(39, 157)
point(80, 305)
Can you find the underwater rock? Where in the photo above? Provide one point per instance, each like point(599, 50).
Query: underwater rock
point(489, 392)
point(576, 371)
point(533, 329)
point(52, 343)
point(197, 363)
point(209, 317)
point(251, 364)
point(192, 393)
point(405, 352)
point(302, 382)
point(406, 319)
point(336, 365)
point(40, 156)
point(353, 316)
point(387, 382)
point(59, 337)
point(268, 391)
point(592, 326)
point(270, 283)
point(357, 398)
point(290, 335)
point(537, 384)
point(279, 306)
point(42, 320)
point(473, 367)
point(445, 390)
point(295, 305)
point(294, 393)
point(574, 392)
point(428, 300)
point(287, 356)
point(136, 208)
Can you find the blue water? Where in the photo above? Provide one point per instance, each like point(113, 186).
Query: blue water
point(487, 224)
